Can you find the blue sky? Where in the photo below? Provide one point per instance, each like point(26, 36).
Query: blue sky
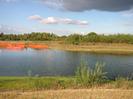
point(23, 16)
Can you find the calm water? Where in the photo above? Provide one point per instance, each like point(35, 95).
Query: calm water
point(56, 62)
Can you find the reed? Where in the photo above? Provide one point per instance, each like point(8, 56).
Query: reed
point(87, 76)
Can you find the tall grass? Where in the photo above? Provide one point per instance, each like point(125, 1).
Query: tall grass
point(87, 76)
point(121, 82)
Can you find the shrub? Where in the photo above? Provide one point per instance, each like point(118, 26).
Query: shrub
point(88, 76)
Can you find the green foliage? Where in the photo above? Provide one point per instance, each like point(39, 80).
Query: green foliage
point(72, 39)
point(82, 73)
point(98, 74)
point(35, 36)
point(87, 76)
point(91, 37)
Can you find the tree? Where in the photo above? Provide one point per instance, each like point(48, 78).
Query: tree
point(74, 39)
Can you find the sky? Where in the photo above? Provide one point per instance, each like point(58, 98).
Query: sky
point(64, 17)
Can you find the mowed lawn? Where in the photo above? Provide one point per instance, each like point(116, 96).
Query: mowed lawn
point(70, 94)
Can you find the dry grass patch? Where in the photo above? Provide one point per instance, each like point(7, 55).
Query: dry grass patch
point(70, 94)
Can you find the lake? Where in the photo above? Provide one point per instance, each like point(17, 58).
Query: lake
point(49, 62)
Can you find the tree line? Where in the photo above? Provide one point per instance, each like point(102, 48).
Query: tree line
point(35, 36)
point(73, 38)
point(101, 38)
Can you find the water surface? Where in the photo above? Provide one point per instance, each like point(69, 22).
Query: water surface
point(50, 62)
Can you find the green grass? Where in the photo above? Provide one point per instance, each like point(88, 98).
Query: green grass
point(88, 76)
point(45, 83)
point(31, 83)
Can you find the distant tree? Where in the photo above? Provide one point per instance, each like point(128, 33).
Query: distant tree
point(74, 39)
point(91, 37)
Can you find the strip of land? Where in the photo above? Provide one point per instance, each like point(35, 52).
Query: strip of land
point(70, 94)
point(63, 88)
point(56, 83)
point(101, 48)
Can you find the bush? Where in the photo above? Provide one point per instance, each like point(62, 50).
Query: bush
point(88, 76)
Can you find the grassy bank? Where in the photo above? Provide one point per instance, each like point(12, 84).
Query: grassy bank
point(35, 83)
point(62, 88)
point(101, 48)
point(45, 83)
point(85, 77)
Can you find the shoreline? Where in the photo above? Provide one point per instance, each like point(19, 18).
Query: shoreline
point(98, 48)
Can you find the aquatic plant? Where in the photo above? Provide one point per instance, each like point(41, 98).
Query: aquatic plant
point(87, 76)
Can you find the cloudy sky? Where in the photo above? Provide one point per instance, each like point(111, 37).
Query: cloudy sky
point(66, 16)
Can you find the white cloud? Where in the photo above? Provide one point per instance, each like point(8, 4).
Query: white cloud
point(50, 20)
point(35, 17)
point(82, 22)
point(57, 20)
point(67, 21)
point(76, 22)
